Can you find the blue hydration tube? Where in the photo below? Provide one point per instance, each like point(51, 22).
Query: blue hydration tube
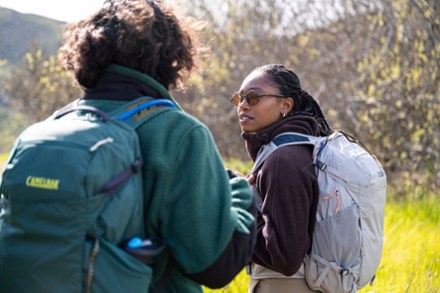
point(146, 105)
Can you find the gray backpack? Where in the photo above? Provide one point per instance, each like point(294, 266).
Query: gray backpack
point(348, 235)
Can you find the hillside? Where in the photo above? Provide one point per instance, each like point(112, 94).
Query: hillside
point(19, 32)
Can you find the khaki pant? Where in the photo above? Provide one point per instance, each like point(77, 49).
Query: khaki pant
point(279, 286)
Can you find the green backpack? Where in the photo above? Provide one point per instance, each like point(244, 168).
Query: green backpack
point(71, 199)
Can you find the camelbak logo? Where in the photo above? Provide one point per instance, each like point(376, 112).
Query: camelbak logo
point(41, 182)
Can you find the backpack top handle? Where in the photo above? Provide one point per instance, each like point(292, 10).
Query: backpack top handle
point(72, 107)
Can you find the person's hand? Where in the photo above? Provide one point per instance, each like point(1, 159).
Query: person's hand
point(251, 179)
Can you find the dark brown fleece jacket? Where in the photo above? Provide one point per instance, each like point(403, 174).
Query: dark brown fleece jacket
point(287, 189)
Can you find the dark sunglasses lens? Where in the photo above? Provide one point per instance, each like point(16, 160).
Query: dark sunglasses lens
point(252, 98)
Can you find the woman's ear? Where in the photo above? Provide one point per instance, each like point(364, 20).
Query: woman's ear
point(287, 105)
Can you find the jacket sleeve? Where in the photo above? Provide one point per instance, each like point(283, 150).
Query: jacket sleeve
point(208, 217)
point(287, 186)
point(239, 248)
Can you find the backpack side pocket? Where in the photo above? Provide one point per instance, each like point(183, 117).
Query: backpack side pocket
point(111, 269)
point(335, 244)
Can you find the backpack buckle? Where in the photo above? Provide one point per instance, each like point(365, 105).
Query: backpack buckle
point(321, 166)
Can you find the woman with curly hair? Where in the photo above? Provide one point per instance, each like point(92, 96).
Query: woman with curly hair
point(202, 212)
point(139, 48)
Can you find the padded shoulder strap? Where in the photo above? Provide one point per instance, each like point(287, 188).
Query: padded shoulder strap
point(290, 138)
point(138, 111)
point(285, 138)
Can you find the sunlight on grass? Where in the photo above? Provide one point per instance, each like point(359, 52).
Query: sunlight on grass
point(239, 166)
point(3, 158)
point(411, 256)
point(238, 285)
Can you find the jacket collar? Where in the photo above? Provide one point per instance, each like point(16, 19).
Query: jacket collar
point(121, 83)
point(298, 123)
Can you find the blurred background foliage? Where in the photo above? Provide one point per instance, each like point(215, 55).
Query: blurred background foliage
point(373, 65)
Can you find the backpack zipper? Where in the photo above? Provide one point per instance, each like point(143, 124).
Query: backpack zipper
point(91, 270)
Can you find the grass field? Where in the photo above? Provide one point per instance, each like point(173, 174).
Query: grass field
point(411, 254)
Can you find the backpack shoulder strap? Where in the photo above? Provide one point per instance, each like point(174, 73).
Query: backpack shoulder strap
point(282, 139)
point(138, 111)
point(292, 138)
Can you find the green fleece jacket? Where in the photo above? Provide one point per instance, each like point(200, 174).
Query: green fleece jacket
point(204, 214)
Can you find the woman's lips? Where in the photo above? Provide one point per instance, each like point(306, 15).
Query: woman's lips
point(244, 117)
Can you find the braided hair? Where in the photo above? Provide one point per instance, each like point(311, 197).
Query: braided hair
point(290, 86)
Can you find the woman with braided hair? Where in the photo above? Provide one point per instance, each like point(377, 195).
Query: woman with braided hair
point(271, 101)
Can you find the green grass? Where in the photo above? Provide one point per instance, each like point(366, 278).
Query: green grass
point(3, 158)
point(411, 253)
point(239, 166)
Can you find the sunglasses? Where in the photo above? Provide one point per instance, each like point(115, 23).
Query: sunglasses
point(252, 98)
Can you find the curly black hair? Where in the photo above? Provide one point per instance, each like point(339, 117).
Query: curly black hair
point(140, 34)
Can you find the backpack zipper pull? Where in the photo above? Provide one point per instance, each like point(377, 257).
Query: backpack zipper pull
point(336, 194)
point(100, 143)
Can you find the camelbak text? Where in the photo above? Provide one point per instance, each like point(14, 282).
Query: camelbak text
point(41, 182)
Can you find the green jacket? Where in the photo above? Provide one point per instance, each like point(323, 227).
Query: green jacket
point(202, 212)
